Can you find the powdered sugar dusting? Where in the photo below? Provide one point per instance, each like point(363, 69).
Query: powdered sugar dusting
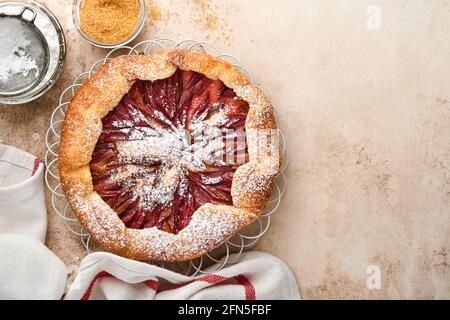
point(177, 155)
point(209, 227)
point(211, 179)
point(18, 63)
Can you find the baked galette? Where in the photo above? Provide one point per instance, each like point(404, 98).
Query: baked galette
point(165, 156)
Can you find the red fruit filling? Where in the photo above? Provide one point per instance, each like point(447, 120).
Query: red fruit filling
point(169, 147)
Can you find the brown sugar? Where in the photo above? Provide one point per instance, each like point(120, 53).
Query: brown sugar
point(109, 21)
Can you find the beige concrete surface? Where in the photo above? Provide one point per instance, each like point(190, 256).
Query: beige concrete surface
point(364, 100)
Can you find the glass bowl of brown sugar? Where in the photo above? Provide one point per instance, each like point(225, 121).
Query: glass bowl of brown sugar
point(109, 23)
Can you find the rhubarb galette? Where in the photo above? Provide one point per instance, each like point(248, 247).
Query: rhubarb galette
point(165, 156)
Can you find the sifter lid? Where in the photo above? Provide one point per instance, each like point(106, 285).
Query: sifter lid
point(32, 50)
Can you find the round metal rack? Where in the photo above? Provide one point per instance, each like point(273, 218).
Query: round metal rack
point(229, 251)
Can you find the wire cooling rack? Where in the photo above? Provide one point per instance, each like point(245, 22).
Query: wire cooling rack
point(229, 251)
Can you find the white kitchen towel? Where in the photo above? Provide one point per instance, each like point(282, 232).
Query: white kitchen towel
point(28, 269)
point(22, 198)
point(257, 276)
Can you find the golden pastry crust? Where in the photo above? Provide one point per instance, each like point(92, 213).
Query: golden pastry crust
point(210, 224)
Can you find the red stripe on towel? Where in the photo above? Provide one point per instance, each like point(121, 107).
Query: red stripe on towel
point(210, 279)
point(37, 162)
point(99, 276)
point(250, 293)
point(213, 279)
point(152, 284)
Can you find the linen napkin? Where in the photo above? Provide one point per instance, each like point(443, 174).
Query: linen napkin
point(28, 269)
point(22, 198)
point(257, 276)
